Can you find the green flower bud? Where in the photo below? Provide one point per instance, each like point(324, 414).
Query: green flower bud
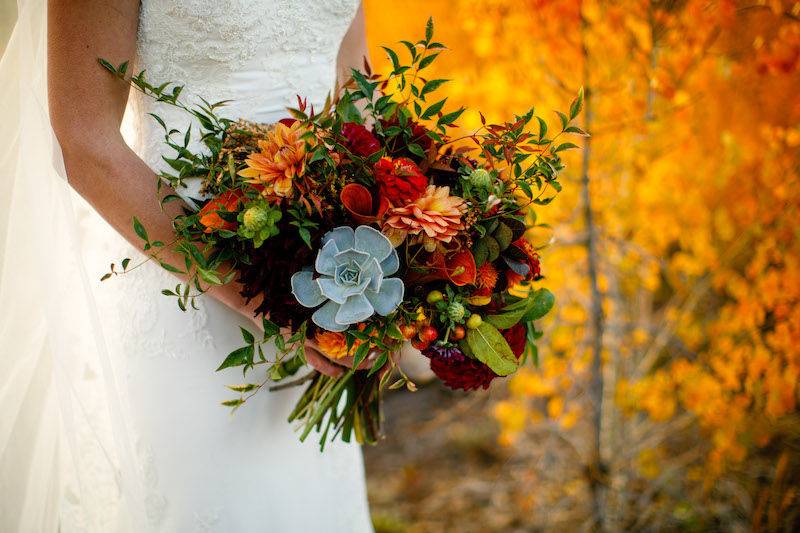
point(481, 178)
point(259, 222)
point(456, 311)
point(256, 217)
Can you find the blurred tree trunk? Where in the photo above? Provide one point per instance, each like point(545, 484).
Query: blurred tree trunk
point(596, 465)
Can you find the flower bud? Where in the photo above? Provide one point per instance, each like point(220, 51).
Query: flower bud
point(256, 217)
point(481, 178)
point(456, 311)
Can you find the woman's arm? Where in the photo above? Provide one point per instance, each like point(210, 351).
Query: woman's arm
point(354, 49)
point(86, 108)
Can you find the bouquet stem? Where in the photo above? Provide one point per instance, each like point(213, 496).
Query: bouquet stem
point(321, 407)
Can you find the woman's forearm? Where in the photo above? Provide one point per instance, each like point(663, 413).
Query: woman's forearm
point(119, 185)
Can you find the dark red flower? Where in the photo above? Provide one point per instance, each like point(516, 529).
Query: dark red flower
point(359, 140)
point(467, 374)
point(419, 133)
point(516, 337)
point(444, 353)
point(400, 180)
point(528, 256)
point(287, 121)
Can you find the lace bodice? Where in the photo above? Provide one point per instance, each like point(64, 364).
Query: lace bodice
point(260, 54)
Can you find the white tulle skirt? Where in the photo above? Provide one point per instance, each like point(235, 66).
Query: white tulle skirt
point(203, 467)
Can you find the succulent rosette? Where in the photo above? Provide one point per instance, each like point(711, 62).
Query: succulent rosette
point(350, 280)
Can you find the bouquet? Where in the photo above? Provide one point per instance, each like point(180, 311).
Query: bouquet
point(361, 226)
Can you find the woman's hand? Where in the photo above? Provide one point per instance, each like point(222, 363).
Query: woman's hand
point(336, 368)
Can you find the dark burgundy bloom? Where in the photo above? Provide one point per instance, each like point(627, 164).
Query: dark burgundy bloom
point(444, 353)
point(524, 252)
point(400, 180)
point(287, 121)
point(265, 273)
point(359, 140)
point(467, 374)
point(419, 134)
point(516, 337)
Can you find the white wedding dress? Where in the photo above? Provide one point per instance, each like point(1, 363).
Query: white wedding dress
point(203, 468)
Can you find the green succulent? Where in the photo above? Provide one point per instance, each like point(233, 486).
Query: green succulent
point(259, 222)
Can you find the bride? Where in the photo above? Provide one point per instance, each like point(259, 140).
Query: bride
point(111, 416)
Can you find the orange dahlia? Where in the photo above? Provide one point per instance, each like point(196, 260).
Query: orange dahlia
point(282, 159)
point(433, 218)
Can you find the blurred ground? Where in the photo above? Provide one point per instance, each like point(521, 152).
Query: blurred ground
point(439, 467)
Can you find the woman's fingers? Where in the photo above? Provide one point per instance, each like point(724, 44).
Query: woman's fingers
point(322, 363)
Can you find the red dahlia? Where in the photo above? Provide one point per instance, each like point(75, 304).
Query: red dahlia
point(359, 140)
point(468, 374)
point(400, 180)
point(516, 337)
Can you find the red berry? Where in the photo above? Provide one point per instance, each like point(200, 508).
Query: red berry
point(408, 331)
point(420, 344)
point(428, 333)
point(458, 333)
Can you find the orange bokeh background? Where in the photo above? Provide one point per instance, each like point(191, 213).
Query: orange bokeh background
point(666, 393)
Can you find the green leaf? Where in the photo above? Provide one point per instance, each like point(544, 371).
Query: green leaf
point(431, 86)
point(563, 118)
point(509, 316)
point(139, 229)
point(489, 347)
point(209, 276)
point(433, 109)
point(361, 354)
point(412, 50)
point(449, 118)
point(393, 56)
point(541, 303)
point(542, 127)
point(238, 357)
point(393, 331)
point(379, 362)
point(427, 60)
point(575, 129)
point(270, 328)
point(416, 150)
point(564, 146)
point(166, 266)
point(108, 66)
point(576, 105)
point(429, 29)
point(243, 388)
point(366, 87)
point(247, 336)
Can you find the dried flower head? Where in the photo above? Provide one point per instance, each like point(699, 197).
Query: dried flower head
point(486, 277)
